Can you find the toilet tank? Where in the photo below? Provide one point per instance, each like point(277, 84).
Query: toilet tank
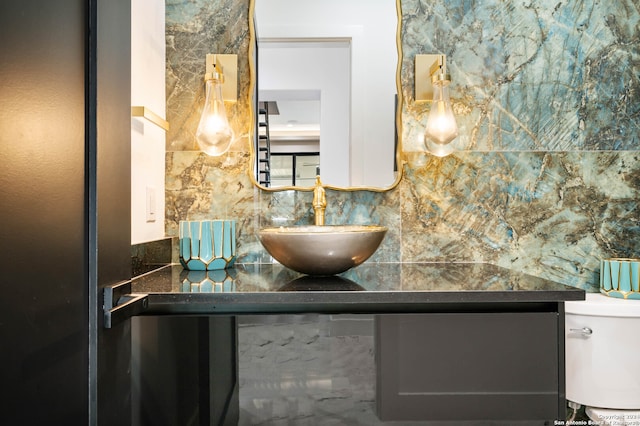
point(602, 336)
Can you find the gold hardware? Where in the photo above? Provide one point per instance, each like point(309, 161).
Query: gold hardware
point(319, 201)
point(142, 111)
point(428, 70)
point(225, 68)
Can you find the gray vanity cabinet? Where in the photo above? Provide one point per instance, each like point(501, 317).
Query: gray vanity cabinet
point(470, 366)
point(455, 344)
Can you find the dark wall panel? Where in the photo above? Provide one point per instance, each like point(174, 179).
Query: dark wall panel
point(113, 192)
point(43, 306)
point(65, 216)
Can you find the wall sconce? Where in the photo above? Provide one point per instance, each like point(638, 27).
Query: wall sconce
point(214, 134)
point(432, 84)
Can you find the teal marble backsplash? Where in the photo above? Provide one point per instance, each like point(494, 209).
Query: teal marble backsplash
point(532, 75)
point(546, 177)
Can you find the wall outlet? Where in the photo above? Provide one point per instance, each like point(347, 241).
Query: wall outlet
point(151, 204)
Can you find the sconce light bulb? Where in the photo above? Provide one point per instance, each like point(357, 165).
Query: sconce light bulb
point(214, 134)
point(441, 127)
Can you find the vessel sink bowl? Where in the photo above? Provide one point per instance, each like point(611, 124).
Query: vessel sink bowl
point(322, 250)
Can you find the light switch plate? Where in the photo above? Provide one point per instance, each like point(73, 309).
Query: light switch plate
point(151, 204)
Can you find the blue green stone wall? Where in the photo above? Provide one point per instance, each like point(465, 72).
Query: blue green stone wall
point(546, 176)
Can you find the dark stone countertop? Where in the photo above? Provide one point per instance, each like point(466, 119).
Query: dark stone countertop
point(368, 288)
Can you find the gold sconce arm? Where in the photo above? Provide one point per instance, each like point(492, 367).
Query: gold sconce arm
point(144, 112)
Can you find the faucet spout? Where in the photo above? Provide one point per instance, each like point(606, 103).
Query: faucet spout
point(319, 201)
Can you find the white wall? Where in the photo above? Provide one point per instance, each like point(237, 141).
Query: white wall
point(147, 139)
point(371, 26)
point(323, 69)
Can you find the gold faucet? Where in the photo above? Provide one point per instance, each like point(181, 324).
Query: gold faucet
point(319, 201)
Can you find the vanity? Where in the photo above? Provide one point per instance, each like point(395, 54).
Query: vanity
point(455, 343)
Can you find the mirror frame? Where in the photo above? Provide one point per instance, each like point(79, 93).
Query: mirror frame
point(252, 85)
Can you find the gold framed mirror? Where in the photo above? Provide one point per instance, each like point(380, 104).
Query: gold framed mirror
point(343, 120)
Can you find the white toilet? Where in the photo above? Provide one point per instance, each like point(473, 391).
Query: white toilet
point(602, 336)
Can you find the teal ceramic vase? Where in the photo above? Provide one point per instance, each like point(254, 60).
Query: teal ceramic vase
point(620, 278)
point(207, 244)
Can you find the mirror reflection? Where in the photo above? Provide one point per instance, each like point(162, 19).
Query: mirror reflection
point(326, 93)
